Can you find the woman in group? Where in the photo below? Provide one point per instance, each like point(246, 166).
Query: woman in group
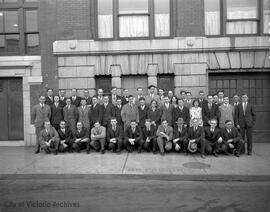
point(154, 113)
point(195, 112)
point(174, 101)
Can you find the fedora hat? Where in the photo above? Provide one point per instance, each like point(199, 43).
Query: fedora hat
point(192, 147)
point(180, 121)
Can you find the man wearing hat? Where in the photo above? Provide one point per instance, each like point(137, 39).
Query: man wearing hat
point(164, 137)
point(152, 95)
point(196, 137)
point(180, 136)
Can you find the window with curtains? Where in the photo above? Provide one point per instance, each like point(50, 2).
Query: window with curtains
point(133, 19)
point(18, 27)
point(212, 17)
point(266, 17)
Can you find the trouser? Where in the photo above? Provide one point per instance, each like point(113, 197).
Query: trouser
point(38, 130)
point(183, 145)
point(152, 144)
point(247, 131)
point(118, 145)
point(238, 146)
point(69, 143)
point(78, 146)
point(211, 147)
point(52, 148)
point(164, 144)
point(98, 144)
point(137, 144)
point(56, 126)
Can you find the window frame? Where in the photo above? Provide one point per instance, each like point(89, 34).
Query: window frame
point(20, 6)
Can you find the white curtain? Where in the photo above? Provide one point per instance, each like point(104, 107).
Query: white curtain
point(212, 23)
point(242, 27)
point(133, 26)
point(266, 19)
point(105, 26)
point(162, 25)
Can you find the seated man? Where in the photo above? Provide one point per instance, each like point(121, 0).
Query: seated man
point(213, 138)
point(81, 138)
point(180, 136)
point(196, 135)
point(98, 137)
point(115, 136)
point(133, 137)
point(149, 137)
point(164, 137)
point(65, 137)
point(49, 139)
point(233, 141)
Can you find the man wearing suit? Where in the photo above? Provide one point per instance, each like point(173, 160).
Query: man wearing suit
point(232, 139)
point(164, 137)
point(180, 136)
point(142, 109)
point(95, 114)
point(245, 120)
point(161, 94)
point(40, 113)
point(98, 137)
point(129, 112)
point(115, 136)
point(167, 111)
point(209, 111)
point(49, 98)
point(196, 134)
point(188, 102)
point(149, 137)
point(81, 139)
point(118, 108)
point(151, 96)
point(220, 97)
point(83, 114)
point(202, 99)
point(87, 97)
point(226, 112)
point(62, 98)
point(107, 112)
point(100, 96)
point(181, 112)
point(75, 99)
point(125, 96)
point(70, 115)
point(133, 137)
point(114, 96)
point(139, 95)
point(213, 138)
point(65, 138)
point(57, 113)
point(49, 139)
point(154, 113)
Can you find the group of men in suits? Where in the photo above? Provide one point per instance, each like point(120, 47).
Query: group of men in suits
point(149, 123)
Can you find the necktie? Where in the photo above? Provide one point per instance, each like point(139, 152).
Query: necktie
point(212, 130)
point(56, 104)
point(133, 130)
point(114, 128)
point(210, 106)
point(119, 106)
point(245, 107)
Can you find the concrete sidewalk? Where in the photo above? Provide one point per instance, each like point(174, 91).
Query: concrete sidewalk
point(22, 161)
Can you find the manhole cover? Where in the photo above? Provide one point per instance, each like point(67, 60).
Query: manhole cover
point(196, 165)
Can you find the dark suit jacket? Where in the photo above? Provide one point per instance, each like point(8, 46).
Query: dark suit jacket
point(113, 101)
point(57, 114)
point(167, 113)
point(83, 134)
point(118, 115)
point(248, 119)
point(137, 135)
point(181, 135)
point(150, 134)
point(39, 115)
point(48, 101)
point(154, 115)
point(142, 115)
point(124, 101)
point(197, 135)
point(177, 113)
point(118, 133)
point(71, 114)
point(67, 136)
point(88, 101)
point(77, 101)
point(235, 135)
point(201, 103)
point(62, 102)
point(212, 137)
point(95, 114)
point(107, 114)
point(209, 114)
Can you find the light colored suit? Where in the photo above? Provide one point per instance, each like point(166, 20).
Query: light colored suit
point(128, 113)
point(167, 113)
point(226, 113)
point(84, 116)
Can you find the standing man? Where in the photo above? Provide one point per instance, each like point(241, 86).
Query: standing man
point(70, 113)
point(98, 137)
point(151, 95)
point(107, 112)
point(183, 95)
point(161, 94)
point(139, 95)
point(81, 138)
point(49, 98)
point(62, 98)
point(115, 136)
point(49, 139)
point(236, 100)
point(220, 97)
point(226, 112)
point(202, 99)
point(125, 96)
point(209, 111)
point(83, 114)
point(87, 97)
point(100, 96)
point(129, 112)
point(40, 113)
point(75, 99)
point(57, 113)
point(143, 109)
point(245, 120)
point(167, 111)
point(188, 102)
point(164, 137)
point(181, 112)
point(133, 137)
point(95, 114)
point(114, 96)
point(118, 108)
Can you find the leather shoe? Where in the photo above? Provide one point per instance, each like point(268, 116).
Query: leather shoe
point(249, 153)
point(202, 156)
point(215, 154)
point(37, 151)
point(102, 151)
point(162, 153)
point(87, 151)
